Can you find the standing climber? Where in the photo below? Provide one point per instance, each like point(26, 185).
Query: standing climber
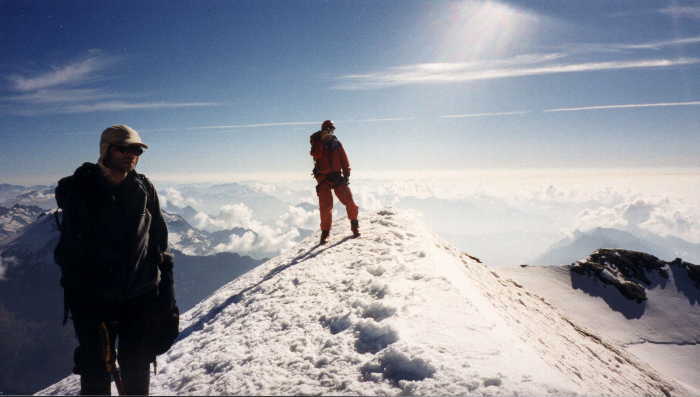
point(114, 263)
point(332, 171)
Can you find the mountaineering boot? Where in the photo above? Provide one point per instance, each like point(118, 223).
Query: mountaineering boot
point(324, 236)
point(355, 227)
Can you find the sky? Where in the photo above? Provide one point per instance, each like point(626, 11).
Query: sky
point(236, 87)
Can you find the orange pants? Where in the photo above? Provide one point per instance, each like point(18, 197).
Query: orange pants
point(325, 203)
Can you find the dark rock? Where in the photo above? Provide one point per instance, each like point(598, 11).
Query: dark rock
point(630, 271)
point(627, 270)
point(693, 270)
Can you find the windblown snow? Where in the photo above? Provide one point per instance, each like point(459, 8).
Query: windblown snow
point(397, 311)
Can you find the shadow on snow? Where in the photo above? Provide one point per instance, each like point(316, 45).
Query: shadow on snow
point(213, 312)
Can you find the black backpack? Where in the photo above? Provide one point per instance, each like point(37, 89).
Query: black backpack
point(76, 197)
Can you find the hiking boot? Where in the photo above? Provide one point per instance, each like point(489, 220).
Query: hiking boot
point(355, 227)
point(324, 236)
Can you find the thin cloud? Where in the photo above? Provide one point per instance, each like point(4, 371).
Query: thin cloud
point(692, 12)
point(436, 73)
point(79, 72)
point(119, 106)
point(588, 48)
point(660, 44)
point(493, 114)
point(48, 96)
point(71, 88)
point(378, 120)
point(627, 106)
point(254, 125)
point(292, 123)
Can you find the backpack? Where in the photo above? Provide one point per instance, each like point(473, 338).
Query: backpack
point(164, 327)
point(75, 196)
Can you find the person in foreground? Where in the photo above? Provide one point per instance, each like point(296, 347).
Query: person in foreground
point(332, 172)
point(112, 254)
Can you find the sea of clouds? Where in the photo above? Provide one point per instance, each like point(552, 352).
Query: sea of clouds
point(505, 217)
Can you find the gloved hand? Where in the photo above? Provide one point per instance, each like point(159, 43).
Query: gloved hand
point(166, 261)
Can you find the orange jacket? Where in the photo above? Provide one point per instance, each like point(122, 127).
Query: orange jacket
point(329, 155)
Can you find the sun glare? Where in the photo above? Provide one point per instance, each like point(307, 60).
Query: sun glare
point(480, 29)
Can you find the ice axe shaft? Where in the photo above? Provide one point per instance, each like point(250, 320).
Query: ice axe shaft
point(110, 365)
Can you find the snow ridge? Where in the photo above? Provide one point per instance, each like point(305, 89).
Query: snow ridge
point(397, 311)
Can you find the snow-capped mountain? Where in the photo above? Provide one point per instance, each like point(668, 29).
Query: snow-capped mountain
point(13, 219)
point(633, 300)
point(185, 238)
point(581, 243)
point(189, 240)
point(395, 312)
point(187, 212)
point(40, 196)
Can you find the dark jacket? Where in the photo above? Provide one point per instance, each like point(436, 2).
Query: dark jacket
point(113, 237)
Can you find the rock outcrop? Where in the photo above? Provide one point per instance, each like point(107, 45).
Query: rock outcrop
point(631, 272)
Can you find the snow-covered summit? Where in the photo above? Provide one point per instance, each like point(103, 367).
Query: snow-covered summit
point(397, 311)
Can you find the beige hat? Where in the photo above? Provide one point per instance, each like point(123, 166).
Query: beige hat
point(119, 135)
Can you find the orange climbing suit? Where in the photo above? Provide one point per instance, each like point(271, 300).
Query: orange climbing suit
point(331, 161)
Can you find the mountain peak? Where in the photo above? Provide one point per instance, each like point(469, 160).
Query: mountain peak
point(397, 311)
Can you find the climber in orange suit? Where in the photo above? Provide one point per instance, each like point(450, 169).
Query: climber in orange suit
point(332, 172)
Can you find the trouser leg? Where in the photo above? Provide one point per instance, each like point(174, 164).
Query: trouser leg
point(95, 350)
point(96, 347)
point(325, 205)
point(134, 356)
point(136, 375)
point(345, 196)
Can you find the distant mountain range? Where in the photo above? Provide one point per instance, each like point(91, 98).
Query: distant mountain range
point(212, 197)
point(581, 244)
point(38, 195)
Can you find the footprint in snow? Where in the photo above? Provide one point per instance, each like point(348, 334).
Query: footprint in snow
point(378, 311)
point(395, 366)
point(373, 337)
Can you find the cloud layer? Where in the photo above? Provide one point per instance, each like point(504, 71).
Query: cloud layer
point(503, 217)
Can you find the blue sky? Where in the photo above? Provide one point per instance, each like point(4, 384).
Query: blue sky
point(237, 86)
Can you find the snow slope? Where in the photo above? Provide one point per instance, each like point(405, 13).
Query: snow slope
point(398, 311)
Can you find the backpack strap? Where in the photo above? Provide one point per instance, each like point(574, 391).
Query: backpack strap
point(159, 230)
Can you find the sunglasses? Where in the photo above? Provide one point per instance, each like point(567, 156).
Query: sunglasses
point(135, 150)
